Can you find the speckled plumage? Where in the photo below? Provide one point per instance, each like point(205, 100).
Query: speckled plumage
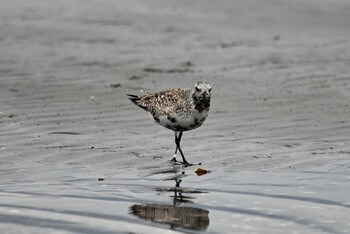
point(177, 109)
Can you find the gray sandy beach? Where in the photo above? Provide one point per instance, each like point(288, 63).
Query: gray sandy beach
point(76, 156)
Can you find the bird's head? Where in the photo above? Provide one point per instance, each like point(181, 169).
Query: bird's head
point(201, 91)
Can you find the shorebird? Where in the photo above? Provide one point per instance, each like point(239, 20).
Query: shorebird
point(177, 109)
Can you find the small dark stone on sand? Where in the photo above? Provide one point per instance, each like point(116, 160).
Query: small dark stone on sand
point(115, 85)
point(135, 77)
point(13, 89)
point(276, 38)
point(187, 64)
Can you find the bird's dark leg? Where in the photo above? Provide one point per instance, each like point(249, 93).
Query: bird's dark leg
point(174, 157)
point(179, 139)
point(177, 142)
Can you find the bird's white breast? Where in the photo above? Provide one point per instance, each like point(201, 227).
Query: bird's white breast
point(183, 121)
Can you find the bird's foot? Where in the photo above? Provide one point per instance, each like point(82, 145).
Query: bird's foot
point(184, 163)
point(174, 162)
point(187, 164)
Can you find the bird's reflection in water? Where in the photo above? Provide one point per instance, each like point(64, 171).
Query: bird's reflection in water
point(175, 215)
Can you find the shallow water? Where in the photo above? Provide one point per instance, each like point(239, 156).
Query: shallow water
point(170, 201)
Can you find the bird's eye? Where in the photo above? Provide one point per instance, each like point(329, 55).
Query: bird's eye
point(197, 89)
point(209, 90)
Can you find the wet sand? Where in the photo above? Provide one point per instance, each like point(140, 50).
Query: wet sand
point(77, 157)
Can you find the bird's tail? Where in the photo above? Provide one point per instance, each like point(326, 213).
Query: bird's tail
point(133, 98)
point(137, 101)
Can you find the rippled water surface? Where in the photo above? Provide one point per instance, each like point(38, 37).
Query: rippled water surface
point(308, 202)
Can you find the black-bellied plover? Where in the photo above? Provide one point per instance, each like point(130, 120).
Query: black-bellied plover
point(177, 109)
